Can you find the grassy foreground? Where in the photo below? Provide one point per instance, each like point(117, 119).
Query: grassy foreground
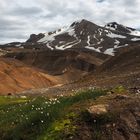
point(41, 118)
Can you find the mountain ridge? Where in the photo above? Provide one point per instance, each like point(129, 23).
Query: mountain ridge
point(84, 35)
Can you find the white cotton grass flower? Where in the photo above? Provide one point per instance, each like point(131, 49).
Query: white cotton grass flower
point(58, 101)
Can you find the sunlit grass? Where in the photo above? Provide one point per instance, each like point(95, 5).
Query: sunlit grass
point(11, 100)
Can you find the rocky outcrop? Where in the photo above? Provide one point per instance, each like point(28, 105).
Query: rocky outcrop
point(34, 38)
point(119, 119)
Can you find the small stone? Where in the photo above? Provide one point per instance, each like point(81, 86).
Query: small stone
point(114, 124)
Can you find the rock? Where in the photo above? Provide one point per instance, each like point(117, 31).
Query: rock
point(121, 97)
point(98, 109)
point(135, 90)
point(117, 136)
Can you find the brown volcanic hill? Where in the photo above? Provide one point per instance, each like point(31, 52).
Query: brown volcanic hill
point(59, 62)
point(128, 60)
point(16, 76)
point(122, 69)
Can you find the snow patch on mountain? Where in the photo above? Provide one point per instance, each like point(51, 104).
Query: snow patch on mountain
point(112, 35)
point(68, 45)
point(72, 32)
point(51, 37)
point(47, 38)
point(101, 40)
point(125, 45)
point(116, 43)
point(50, 47)
point(135, 39)
point(100, 31)
point(18, 45)
point(88, 41)
point(109, 51)
point(135, 33)
point(94, 49)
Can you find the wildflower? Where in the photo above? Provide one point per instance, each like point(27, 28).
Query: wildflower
point(58, 101)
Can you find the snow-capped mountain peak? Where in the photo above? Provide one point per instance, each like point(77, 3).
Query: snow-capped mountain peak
point(85, 35)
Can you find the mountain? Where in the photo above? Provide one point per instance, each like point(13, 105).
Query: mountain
point(87, 35)
point(84, 35)
point(83, 47)
point(126, 61)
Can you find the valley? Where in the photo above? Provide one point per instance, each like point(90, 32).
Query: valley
point(80, 82)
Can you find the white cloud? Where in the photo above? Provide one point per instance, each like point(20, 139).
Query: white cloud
point(20, 18)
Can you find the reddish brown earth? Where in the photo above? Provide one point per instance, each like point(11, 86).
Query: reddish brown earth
point(16, 76)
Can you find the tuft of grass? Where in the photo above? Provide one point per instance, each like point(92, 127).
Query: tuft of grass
point(99, 122)
point(119, 89)
point(61, 129)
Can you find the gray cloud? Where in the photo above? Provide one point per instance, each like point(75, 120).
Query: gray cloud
point(20, 18)
point(26, 11)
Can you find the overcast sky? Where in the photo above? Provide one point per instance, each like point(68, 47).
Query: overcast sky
point(20, 18)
